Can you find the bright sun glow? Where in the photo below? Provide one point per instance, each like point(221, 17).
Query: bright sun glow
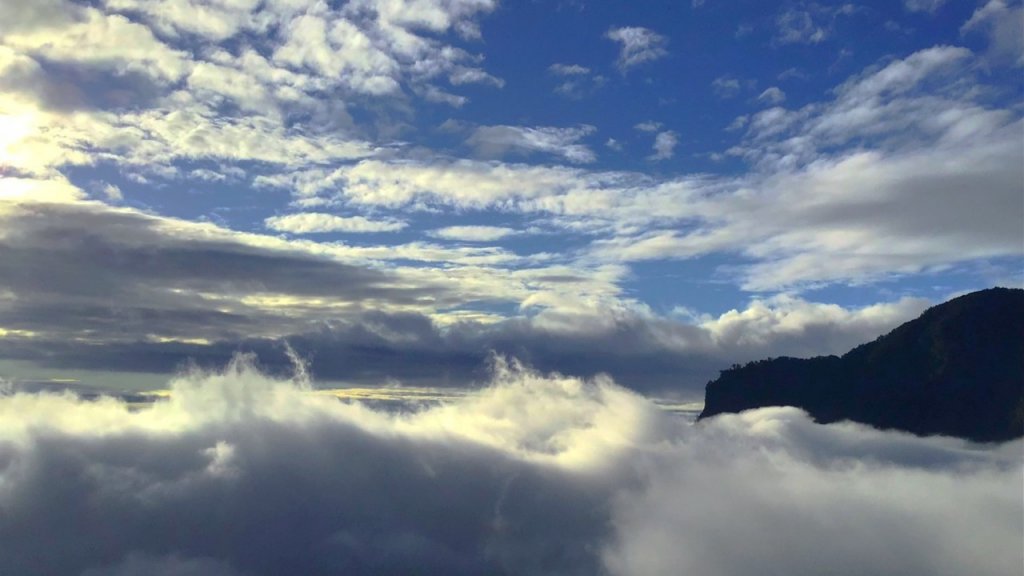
point(14, 129)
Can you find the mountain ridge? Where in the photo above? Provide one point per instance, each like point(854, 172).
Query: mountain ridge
point(956, 370)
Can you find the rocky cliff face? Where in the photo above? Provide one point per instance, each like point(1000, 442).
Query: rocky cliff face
point(957, 370)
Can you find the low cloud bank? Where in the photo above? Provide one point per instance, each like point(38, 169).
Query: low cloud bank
point(89, 287)
point(239, 473)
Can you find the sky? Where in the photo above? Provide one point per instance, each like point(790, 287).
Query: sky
point(395, 191)
point(405, 286)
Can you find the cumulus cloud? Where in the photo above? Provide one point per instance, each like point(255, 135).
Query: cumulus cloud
point(811, 326)
point(88, 36)
point(216, 21)
point(239, 473)
point(664, 145)
point(496, 141)
point(315, 222)
point(113, 193)
point(178, 89)
point(338, 49)
point(639, 45)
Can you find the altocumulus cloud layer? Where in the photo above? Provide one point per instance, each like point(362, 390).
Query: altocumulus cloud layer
point(238, 473)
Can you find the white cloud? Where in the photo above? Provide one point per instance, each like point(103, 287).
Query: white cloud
point(1001, 22)
point(801, 25)
point(112, 192)
point(772, 95)
point(362, 46)
point(664, 145)
point(649, 126)
point(725, 86)
point(866, 186)
point(338, 49)
point(861, 510)
point(473, 233)
point(496, 141)
point(463, 75)
point(806, 328)
point(796, 73)
point(295, 482)
point(923, 5)
point(879, 122)
point(435, 94)
point(315, 222)
point(217, 20)
point(857, 217)
point(591, 200)
point(809, 22)
point(576, 80)
point(869, 185)
point(91, 37)
point(221, 174)
point(738, 123)
point(160, 137)
point(797, 26)
point(181, 125)
point(27, 16)
point(883, 104)
point(461, 184)
point(216, 99)
point(569, 69)
point(569, 89)
point(239, 86)
point(57, 190)
point(433, 15)
point(639, 45)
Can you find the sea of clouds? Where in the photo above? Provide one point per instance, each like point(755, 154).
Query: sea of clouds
point(240, 473)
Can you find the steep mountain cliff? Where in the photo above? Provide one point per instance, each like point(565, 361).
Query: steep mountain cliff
point(956, 370)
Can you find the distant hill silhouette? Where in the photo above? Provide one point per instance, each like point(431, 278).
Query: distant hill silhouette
point(957, 370)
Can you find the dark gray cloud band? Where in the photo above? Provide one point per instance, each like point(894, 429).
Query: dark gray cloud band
point(86, 286)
